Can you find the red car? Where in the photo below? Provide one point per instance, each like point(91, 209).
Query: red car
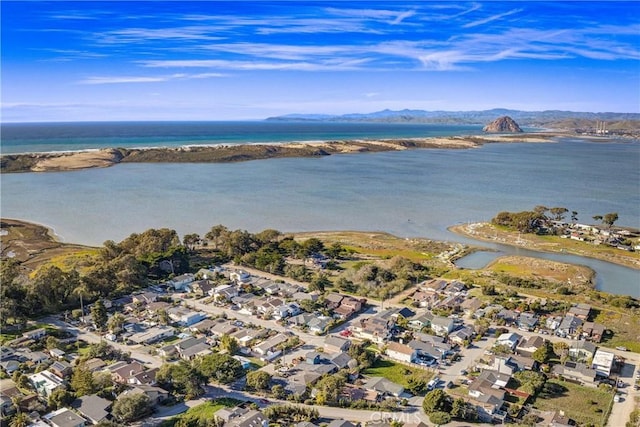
point(346, 333)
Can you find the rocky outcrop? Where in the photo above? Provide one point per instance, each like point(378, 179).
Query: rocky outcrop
point(503, 124)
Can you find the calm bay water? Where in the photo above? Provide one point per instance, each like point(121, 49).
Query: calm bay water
point(416, 193)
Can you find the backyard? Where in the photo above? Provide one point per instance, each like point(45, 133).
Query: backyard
point(585, 405)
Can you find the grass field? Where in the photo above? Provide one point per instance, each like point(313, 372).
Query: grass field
point(396, 372)
point(203, 412)
point(585, 405)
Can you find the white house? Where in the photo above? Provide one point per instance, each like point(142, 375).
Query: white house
point(181, 283)
point(401, 352)
point(46, 382)
point(602, 363)
point(240, 277)
point(442, 326)
point(510, 340)
point(184, 316)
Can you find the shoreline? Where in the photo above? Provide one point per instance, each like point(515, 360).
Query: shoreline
point(511, 239)
point(59, 161)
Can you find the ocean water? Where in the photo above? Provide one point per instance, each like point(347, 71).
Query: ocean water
point(414, 193)
point(43, 137)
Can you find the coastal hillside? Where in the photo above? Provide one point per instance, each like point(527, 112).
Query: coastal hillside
point(583, 122)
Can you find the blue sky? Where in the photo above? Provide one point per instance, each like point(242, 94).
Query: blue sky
point(150, 60)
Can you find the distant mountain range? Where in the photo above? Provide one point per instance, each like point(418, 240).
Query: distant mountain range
point(565, 119)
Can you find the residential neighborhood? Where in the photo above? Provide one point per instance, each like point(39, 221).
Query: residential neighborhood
point(314, 349)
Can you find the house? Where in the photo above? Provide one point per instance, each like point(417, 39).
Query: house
point(462, 336)
point(92, 407)
point(223, 328)
point(552, 323)
point(268, 348)
point(240, 277)
point(375, 328)
point(433, 285)
point(423, 299)
point(147, 377)
point(286, 310)
point(37, 357)
point(157, 395)
point(529, 345)
point(60, 368)
point(65, 418)
point(202, 287)
point(509, 340)
point(603, 363)
point(341, 423)
point(35, 334)
point(152, 335)
point(509, 317)
point(56, 353)
point(224, 293)
point(242, 417)
point(145, 298)
point(582, 350)
point(454, 287)
point(184, 316)
point(182, 282)
point(301, 319)
point(569, 326)
point(497, 380)
point(319, 325)
point(470, 305)
point(524, 362)
point(203, 326)
point(333, 300)
point(581, 311)
point(335, 344)
point(350, 393)
point(559, 419)
point(527, 321)
point(593, 331)
point(124, 373)
point(10, 366)
point(383, 387)
point(421, 321)
point(342, 312)
point(352, 303)
point(343, 360)
point(191, 347)
point(95, 364)
point(576, 372)
point(401, 352)
point(45, 382)
point(442, 326)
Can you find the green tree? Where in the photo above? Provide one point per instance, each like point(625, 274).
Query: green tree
point(328, 388)
point(278, 391)
point(319, 283)
point(543, 353)
point(258, 380)
point(558, 213)
point(182, 378)
point(416, 384)
point(116, 323)
point(436, 401)
point(229, 344)
point(51, 342)
point(221, 368)
point(132, 407)
point(217, 234)
point(190, 241)
point(99, 314)
point(459, 408)
point(82, 381)
point(439, 418)
point(60, 398)
point(20, 419)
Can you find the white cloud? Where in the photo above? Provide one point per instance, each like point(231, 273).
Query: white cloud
point(491, 18)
